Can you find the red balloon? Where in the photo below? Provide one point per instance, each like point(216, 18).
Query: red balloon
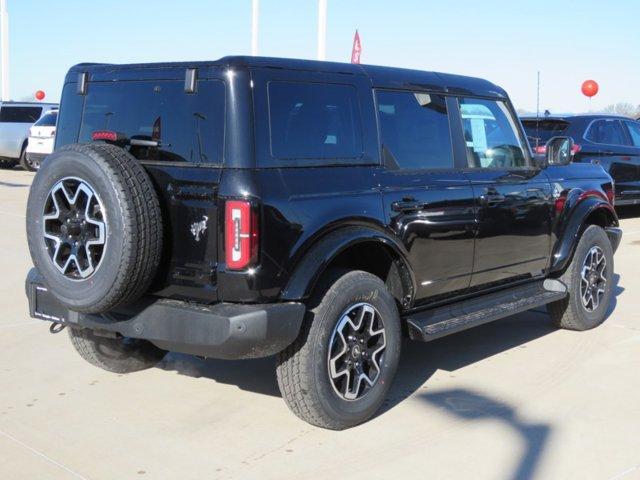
point(590, 88)
point(40, 95)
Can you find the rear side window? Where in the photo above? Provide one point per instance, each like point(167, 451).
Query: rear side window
point(491, 134)
point(188, 127)
point(414, 128)
point(634, 132)
point(314, 121)
point(19, 114)
point(606, 131)
point(47, 120)
point(540, 132)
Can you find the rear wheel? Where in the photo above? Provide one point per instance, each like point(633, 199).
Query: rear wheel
point(589, 279)
point(27, 163)
point(337, 373)
point(118, 355)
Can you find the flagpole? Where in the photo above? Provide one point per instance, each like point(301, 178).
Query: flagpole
point(4, 47)
point(322, 29)
point(255, 7)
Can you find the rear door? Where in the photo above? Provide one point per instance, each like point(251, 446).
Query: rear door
point(616, 154)
point(428, 201)
point(185, 166)
point(512, 197)
point(633, 131)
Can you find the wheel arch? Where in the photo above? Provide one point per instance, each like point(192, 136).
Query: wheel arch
point(589, 211)
point(358, 248)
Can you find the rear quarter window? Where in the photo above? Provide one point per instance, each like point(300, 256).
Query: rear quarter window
point(9, 114)
point(189, 127)
point(314, 123)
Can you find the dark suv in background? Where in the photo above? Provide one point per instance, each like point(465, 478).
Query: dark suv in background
point(316, 211)
point(610, 141)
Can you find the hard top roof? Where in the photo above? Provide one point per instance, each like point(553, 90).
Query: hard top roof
point(379, 76)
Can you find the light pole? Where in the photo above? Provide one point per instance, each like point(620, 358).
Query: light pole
point(255, 7)
point(322, 29)
point(4, 46)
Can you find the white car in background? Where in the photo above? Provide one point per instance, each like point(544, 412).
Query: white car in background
point(41, 138)
point(15, 120)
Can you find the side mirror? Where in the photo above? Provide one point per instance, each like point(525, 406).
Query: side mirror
point(559, 151)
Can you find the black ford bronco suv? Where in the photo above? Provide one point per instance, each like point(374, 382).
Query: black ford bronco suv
point(315, 211)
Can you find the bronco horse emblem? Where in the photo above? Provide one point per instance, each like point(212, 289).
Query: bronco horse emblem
point(199, 228)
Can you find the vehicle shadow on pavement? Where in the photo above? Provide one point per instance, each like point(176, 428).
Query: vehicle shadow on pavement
point(418, 362)
point(467, 405)
point(258, 375)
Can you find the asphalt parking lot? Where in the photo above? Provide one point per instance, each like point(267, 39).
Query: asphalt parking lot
point(515, 399)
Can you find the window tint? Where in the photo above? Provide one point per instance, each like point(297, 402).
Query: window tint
point(491, 135)
point(19, 114)
point(540, 132)
point(189, 127)
point(606, 131)
point(47, 120)
point(415, 129)
point(314, 120)
point(634, 132)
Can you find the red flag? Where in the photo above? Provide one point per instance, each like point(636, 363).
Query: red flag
point(357, 49)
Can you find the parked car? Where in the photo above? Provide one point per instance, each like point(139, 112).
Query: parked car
point(41, 137)
point(610, 141)
point(248, 207)
point(15, 120)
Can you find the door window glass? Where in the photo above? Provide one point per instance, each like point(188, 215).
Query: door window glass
point(414, 128)
point(634, 132)
point(491, 135)
point(608, 132)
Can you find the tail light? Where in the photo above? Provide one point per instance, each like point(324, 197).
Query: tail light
point(241, 234)
point(575, 149)
point(107, 136)
point(540, 149)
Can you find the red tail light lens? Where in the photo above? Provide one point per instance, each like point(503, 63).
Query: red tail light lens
point(241, 234)
point(540, 149)
point(575, 149)
point(610, 190)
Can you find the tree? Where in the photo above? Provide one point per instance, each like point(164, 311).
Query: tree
point(623, 109)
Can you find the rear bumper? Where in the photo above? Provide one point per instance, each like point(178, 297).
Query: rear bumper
point(223, 330)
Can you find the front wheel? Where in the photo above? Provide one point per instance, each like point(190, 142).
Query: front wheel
point(337, 373)
point(589, 279)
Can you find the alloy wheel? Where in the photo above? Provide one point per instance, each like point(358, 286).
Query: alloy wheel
point(356, 351)
point(593, 279)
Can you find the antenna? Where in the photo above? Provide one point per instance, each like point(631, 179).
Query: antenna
point(538, 111)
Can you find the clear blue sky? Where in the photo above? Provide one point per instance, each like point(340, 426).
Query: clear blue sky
point(503, 41)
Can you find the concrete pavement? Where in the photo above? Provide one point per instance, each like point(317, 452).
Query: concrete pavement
point(515, 399)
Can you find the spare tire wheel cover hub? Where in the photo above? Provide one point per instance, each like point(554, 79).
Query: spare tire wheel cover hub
point(74, 228)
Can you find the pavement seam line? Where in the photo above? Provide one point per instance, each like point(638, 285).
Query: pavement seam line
point(11, 214)
point(42, 455)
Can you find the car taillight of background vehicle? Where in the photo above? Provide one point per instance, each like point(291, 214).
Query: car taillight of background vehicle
point(610, 191)
point(542, 149)
point(241, 234)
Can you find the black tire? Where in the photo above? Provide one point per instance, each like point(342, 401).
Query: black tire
point(303, 367)
point(27, 164)
point(570, 313)
point(132, 219)
point(118, 355)
point(8, 163)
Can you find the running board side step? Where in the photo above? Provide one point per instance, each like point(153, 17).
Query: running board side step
point(427, 325)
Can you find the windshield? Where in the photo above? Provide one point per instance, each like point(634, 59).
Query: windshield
point(47, 120)
point(539, 132)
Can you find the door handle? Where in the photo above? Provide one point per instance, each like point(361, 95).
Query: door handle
point(408, 205)
point(491, 198)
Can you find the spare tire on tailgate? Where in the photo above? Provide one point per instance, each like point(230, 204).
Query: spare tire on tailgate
point(94, 227)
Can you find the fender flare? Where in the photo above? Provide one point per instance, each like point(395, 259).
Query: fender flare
point(576, 220)
point(315, 261)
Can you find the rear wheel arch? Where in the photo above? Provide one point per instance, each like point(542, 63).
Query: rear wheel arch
point(353, 248)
